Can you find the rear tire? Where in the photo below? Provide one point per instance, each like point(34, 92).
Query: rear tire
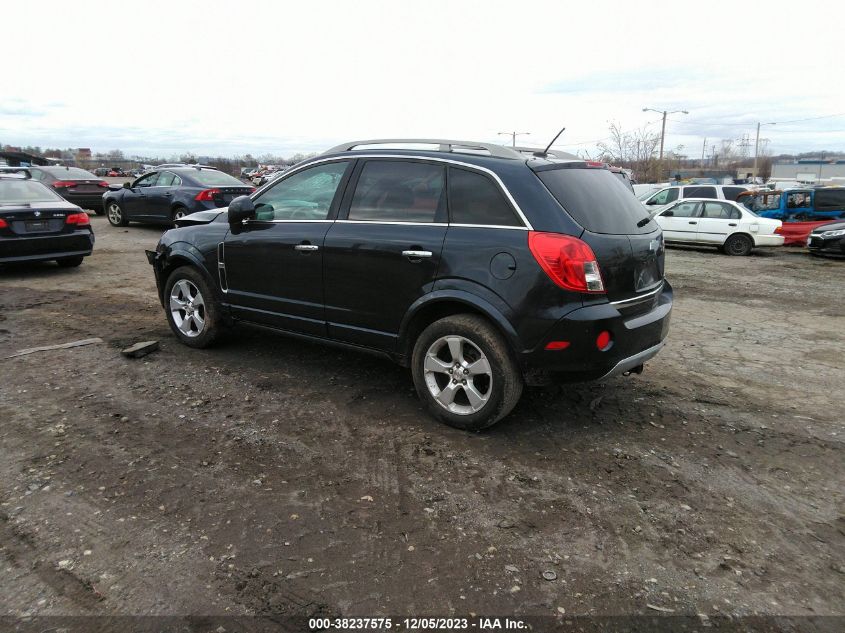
point(464, 372)
point(69, 262)
point(116, 215)
point(192, 311)
point(738, 245)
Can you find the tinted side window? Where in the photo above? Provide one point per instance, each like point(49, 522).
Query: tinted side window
point(398, 191)
point(306, 195)
point(684, 210)
point(830, 199)
point(700, 192)
point(664, 197)
point(475, 199)
point(731, 193)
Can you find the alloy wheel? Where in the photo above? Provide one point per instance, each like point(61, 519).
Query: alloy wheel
point(187, 308)
point(458, 375)
point(115, 213)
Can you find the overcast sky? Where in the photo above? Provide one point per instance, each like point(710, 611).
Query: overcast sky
point(230, 77)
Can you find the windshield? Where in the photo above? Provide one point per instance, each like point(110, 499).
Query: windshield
point(597, 200)
point(212, 177)
point(25, 191)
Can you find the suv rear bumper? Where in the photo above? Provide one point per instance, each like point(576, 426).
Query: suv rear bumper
point(637, 333)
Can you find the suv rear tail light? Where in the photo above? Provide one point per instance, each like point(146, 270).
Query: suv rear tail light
point(3, 224)
point(207, 195)
point(568, 261)
point(79, 219)
point(64, 184)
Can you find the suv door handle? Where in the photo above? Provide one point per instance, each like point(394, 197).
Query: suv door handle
point(417, 254)
point(691, 222)
point(308, 248)
point(732, 224)
point(168, 194)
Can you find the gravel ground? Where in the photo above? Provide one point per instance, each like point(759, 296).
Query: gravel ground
point(274, 477)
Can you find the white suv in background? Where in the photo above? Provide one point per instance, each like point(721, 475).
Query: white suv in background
point(668, 195)
point(728, 225)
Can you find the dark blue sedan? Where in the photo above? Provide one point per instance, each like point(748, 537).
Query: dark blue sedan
point(166, 195)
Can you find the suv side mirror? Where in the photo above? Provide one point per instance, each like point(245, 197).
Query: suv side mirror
point(240, 209)
point(127, 185)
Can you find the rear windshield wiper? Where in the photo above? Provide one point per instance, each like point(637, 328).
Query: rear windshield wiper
point(643, 222)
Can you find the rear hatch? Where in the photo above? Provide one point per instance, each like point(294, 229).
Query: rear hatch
point(627, 243)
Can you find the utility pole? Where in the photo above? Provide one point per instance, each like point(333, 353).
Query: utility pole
point(703, 151)
point(513, 136)
point(665, 113)
point(757, 145)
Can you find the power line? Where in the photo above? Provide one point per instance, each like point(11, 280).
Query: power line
point(743, 123)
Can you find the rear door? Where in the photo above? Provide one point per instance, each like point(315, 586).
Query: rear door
point(384, 252)
point(274, 263)
point(680, 221)
point(717, 221)
point(625, 240)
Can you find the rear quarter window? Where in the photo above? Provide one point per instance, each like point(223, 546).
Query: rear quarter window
point(597, 200)
point(475, 199)
point(830, 199)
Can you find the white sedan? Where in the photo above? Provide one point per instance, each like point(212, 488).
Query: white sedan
point(727, 225)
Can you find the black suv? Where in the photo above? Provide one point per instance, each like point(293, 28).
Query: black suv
point(479, 267)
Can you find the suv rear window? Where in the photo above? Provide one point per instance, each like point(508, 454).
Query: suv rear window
point(700, 192)
point(597, 200)
point(732, 193)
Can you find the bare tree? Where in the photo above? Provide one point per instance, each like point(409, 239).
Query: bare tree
point(635, 150)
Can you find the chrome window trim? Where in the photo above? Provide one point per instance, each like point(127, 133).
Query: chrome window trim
point(470, 166)
point(401, 222)
point(638, 299)
point(289, 221)
point(491, 226)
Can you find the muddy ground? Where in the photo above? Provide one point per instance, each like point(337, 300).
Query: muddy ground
point(275, 477)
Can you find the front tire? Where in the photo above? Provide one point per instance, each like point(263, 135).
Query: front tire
point(192, 311)
point(115, 214)
point(738, 245)
point(464, 372)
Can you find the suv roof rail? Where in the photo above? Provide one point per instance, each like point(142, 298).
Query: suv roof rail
point(445, 145)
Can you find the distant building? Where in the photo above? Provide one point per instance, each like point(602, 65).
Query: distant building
point(83, 153)
point(808, 170)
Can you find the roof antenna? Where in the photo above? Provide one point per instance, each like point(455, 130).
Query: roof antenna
point(548, 147)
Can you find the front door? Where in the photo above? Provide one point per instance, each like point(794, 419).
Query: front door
point(274, 263)
point(136, 201)
point(384, 252)
point(680, 221)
